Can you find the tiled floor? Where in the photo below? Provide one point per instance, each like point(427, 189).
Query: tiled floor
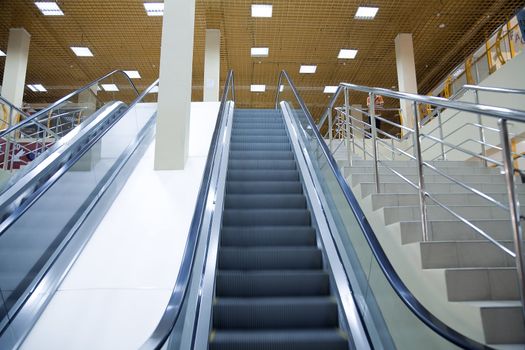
point(117, 290)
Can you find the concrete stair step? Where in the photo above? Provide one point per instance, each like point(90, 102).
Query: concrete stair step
point(434, 212)
point(380, 200)
point(489, 283)
point(502, 321)
point(369, 169)
point(368, 188)
point(450, 230)
point(466, 178)
point(456, 254)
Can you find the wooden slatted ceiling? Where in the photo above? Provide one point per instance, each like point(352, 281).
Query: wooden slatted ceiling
point(121, 35)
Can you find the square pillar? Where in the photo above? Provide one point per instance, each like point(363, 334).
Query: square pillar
point(212, 65)
point(406, 75)
point(15, 69)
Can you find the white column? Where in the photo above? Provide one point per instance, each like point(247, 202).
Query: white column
point(176, 58)
point(355, 113)
point(16, 66)
point(212, 65)
point(406, 74)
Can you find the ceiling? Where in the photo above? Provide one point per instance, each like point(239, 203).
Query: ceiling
point(121, 35)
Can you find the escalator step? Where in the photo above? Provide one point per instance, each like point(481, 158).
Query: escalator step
point(268, 236)
point(256, 175)
point(259, 138)
point(266, 217)
point(261, 155)
point(261, 187)
point(263, 146)
point(258, 120)
point(311, 339)
point(259, 125)
point(261, 164)
point(244, 284)
point(265, 201)
point(275, 313)
point(259, 132)
point(275, 258)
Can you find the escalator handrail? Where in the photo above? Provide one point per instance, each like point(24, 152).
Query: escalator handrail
point(18, 210)
point(393, 278)
point(64, 99)
point(168, 320)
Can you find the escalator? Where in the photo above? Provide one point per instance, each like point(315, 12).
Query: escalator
point(279, 254)
point(50, 208)
point(272, 288)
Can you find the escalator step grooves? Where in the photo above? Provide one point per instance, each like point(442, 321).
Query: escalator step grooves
point(272, 290)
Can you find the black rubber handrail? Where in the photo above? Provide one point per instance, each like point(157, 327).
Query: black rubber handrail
point(390, 273)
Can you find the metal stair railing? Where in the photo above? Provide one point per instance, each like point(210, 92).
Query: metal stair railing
point(50, 124)
point(377, 140)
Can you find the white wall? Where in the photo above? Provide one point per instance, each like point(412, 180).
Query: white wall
point(511, 75)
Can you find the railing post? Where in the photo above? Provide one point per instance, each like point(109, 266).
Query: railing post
point(443, 154)
point(514, 207)
point(330, 129)
point(421, 180)
point(348, 129)
point(481, 133)
point(372, 112)
point(7, 142)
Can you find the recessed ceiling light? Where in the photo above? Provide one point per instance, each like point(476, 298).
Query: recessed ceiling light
point(133, 74)
point(305, 69)
point(2, 53)
point(82, 51)
point(347, 54)
point(366, 12)
point(37, 88)
point(258, 88)
point(260, 51)
point(262, 10)
point(442, 25)
point(154, 8)
point(49, 8)
point(281, 88)
point(109, 87)
point(330, 89)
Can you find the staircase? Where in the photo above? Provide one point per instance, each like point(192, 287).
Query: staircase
point(272, 290)
point(463, 279)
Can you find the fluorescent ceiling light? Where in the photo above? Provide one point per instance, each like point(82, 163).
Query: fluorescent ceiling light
point(109, 87)
point(258, 88)
point(281, 88)
point(260, 51)
point(366, 12)
point(49, 8)
point(348, 54)
point(307, 69)
point(154, 90)
point(133, 74)
point(330, 89)
point(82, 51)
point(37, 88)
point(154, 8)
point(262, 10)
point(2, 53)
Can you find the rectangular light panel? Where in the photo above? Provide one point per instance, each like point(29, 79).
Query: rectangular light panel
point(2, 53)
point(133, 74)
point(258, 88)
point(366, 12)
point(306, 69)
point(154, 90)
point(262, 10)
point(260, 51)
point(348, 54)
point(109, 87)
point(154, 8)
point(49, 8)
point(37, 88)
point(330, 89)
point(82, 51)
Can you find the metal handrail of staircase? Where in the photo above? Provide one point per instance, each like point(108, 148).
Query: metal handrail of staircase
point(199, 226)
point(47, 114)
point(395, 281)
point(503, 115)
